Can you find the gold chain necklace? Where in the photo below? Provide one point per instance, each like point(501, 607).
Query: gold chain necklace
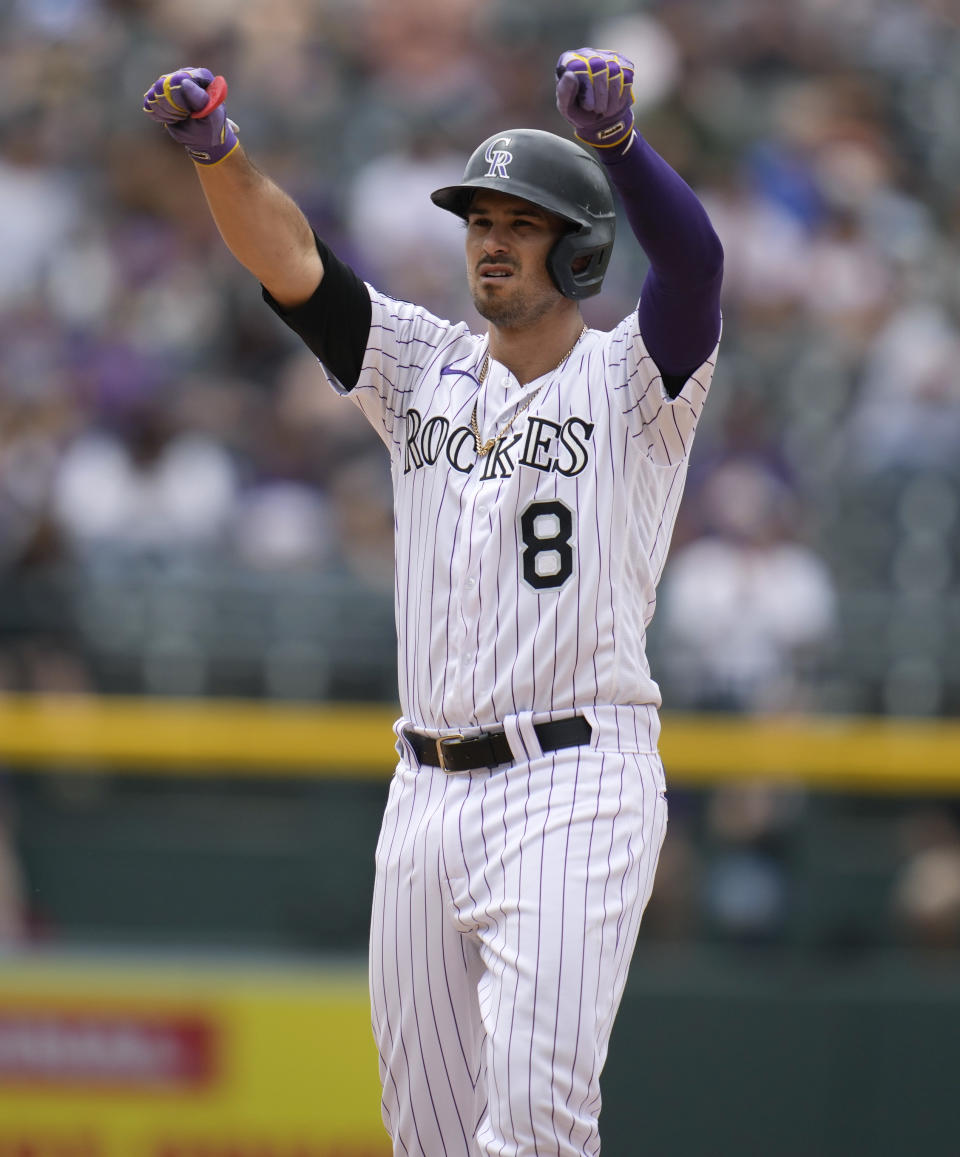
point(484, 448)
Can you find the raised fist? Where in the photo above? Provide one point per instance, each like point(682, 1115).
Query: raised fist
point(595, 94)
point(174, 98)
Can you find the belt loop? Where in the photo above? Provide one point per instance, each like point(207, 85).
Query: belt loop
point(521, 736)
point(404, 746)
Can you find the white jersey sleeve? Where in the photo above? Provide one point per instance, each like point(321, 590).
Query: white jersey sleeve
point(661, 427)
point(405, 341)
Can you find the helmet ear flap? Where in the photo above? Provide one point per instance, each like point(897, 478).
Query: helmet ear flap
point(578, 269)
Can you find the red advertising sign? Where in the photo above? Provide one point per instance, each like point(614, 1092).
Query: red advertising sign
point(191, 1059)
point(106, 1049)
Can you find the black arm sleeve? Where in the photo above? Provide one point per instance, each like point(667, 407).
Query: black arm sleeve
point(335, 322)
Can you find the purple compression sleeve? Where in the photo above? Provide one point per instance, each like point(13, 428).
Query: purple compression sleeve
point(679, 307)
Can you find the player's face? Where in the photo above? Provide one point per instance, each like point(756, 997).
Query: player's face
point(508, 240)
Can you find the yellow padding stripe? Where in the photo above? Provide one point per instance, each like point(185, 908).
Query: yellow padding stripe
point(188, 736)
point(239, 737)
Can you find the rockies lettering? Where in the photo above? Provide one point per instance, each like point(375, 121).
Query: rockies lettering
point(546, 446)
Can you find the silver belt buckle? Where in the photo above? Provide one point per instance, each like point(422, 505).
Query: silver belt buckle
point(441, 740)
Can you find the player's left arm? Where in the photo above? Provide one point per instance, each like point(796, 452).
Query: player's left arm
point(679, 311)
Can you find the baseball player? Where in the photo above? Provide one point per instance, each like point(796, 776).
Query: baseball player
point(537, 470)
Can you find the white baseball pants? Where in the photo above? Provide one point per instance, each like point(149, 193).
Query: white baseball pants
point(505, 914)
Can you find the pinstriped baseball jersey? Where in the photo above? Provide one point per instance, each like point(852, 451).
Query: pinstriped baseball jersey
point(525, 579)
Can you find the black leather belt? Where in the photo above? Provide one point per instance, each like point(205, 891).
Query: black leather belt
point(490, 748)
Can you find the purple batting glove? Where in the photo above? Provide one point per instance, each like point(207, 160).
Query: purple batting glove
point(595, 94)
point(174, 97)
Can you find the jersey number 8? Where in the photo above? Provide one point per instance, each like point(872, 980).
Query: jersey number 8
point(546, 529)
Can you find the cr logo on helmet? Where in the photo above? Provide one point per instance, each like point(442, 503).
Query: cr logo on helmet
point(498, 159)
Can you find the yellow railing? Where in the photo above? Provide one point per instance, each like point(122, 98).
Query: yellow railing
point(240, 737)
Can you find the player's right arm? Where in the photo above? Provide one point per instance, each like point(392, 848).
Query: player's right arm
point(263, 228)
point(260, 224)
point(370, 346)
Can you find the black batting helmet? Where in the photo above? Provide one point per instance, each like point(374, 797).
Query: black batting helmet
point(556, 175)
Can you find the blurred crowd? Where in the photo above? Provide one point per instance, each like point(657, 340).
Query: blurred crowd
point(168, 451)
point(154, 416)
